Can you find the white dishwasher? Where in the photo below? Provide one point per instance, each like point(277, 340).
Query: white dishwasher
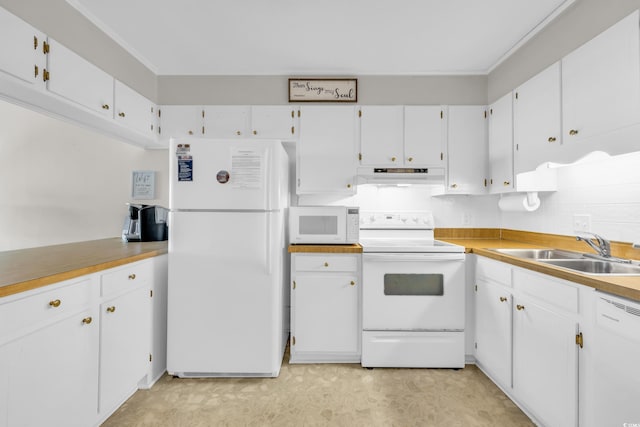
point(616, 356)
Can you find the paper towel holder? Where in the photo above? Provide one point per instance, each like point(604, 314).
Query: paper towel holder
point(519, 202)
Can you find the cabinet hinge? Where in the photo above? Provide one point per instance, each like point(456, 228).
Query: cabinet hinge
point(359, 156)
point(293, 340)
point(485, 114)
point(203, 114)
point(516, 95)
point(151, 128)
point(293, 130)
point(517, 147)
point(485, 182)
point(294, 284)
point(359, 113)
point(159, 130)
point(441, 114)
point(475, 345)
point(579, 340)
point(203, 130)
point(298, 182)
point(35, 42)
point(45, 75)
point(45, 47)
point(150, 357)
point(159, 112)
point(151, 293)
point(476, 288)
point(441, 156)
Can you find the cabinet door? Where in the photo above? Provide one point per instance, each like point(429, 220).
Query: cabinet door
point(53, 374)
point(493, 331)
point(78, 80)
point(226, 121)
point(382, 135)
point(467, 149)
point(424, 135)
point(21, 46)
point(326, 154)
point(326, 313)
point(274, 121)
point(179, 121)
point(545, 363)
point(536, 120)
point(601, 87)
point(124, 346)
point(501, 144)
point(133, 110)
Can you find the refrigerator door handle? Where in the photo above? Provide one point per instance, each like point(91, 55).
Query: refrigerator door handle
point(267, 243)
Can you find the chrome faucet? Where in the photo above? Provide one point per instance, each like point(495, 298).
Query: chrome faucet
point(603, 248)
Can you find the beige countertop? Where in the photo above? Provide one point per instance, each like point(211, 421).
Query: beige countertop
point(334, 249)
point(625, 286)
point(27, 269)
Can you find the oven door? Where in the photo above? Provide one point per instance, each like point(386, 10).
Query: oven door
point(413, 291)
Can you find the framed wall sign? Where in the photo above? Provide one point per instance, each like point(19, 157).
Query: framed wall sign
point(323, 90)
point(143, 185)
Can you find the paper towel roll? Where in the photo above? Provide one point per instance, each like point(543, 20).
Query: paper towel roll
point(519, 202)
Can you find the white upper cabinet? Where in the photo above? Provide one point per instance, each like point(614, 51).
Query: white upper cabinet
point(536, 120)
point(22, 48)
point(501, 145)
point(601, 89)
point(275, 121)
point(78, 80)
point(326, 153)
point(133, 110)
point(467, 149)
point(381, 135)
point(424, 135)
point(228, 121)
point(179, 121)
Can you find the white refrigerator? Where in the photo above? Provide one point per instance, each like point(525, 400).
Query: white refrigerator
point(228, 271)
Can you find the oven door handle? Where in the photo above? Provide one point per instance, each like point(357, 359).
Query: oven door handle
point(412, 257)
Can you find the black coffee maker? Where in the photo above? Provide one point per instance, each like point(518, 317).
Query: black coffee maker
point(145, 223)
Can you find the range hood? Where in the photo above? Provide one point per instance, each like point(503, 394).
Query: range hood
point(393, 175)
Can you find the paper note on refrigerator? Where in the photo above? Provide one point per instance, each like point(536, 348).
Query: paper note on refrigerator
point(246, 168)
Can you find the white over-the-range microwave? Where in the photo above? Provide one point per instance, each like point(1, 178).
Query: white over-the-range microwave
point(324, 224)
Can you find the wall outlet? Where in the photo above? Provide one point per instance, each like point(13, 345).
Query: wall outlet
point(581, 223)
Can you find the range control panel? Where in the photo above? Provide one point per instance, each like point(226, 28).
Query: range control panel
point(397, 220)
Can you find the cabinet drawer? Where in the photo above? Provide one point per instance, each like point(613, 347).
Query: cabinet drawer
point(27, 312)
point(494, 271)
point(326, 263)
point(123, 278)
point(555, 292)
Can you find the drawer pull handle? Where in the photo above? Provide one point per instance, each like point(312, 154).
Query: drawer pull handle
point(393, 159)
point(105, 106)
point(352, 283)
point(573, 132)
point(503, 299)
point(87, 320)
point(410, 159)
point(55, 303)
point(506, 183)
point(520, 307)
point(326, 264)
point(121, 114)
point(132, 277)
point(111, 309)
point(552, 139)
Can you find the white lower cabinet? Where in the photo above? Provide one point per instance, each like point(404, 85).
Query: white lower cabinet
point(526, 342)
point(72, 352)
point(325, 308)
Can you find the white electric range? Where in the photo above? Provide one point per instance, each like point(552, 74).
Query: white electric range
point(413, 293)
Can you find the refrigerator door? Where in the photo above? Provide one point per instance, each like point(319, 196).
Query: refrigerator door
point(226, 294)
point(216, 174)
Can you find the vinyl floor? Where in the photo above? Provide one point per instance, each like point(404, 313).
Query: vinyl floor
point(325, 395)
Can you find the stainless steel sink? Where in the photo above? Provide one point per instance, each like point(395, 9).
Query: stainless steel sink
point(594, 266)
point(540, 254)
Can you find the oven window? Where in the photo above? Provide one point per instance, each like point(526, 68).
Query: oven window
point(414, 284)
point(320, 225)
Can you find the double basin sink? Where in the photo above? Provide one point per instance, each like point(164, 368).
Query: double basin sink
point(575, 261)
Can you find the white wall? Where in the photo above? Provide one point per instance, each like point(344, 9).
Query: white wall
point(607, 190)
point(60, 183)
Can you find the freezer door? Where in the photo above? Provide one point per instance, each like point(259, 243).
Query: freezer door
point(215, 174)
point(225, 308)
